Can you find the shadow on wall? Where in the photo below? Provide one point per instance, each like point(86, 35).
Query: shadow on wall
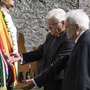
point(22, 69)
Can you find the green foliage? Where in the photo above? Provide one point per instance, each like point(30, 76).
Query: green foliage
point(5, 22)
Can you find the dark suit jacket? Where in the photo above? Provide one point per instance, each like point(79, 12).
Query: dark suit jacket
point(77, 74)
point(54, 61)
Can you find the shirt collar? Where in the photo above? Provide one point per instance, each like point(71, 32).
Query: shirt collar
point(61, 34)
point(79, 36)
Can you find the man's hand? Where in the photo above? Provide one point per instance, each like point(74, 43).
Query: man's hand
point(29, 84)
point(14, 57)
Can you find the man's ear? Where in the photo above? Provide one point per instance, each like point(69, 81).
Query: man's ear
point(63, 22)
point(77, 26)
point(78, 29)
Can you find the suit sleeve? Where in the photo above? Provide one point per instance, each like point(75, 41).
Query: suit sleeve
point(57, 65)
point(33, 55)
point(83, 67)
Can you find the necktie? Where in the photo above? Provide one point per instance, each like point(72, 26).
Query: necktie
point(50, 46)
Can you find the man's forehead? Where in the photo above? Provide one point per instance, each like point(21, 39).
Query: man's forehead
point(53, 20)
point(67, 21)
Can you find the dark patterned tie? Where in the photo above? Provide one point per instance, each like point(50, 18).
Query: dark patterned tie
point(47, 52)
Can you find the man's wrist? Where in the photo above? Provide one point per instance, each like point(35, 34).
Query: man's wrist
point(21, 61)
point(35, 83)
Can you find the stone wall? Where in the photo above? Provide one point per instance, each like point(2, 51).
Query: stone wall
point(85, 4)
point(29, 18)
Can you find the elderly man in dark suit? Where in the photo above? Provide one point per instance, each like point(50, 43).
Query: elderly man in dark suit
point(77, 74)
point(54, 52)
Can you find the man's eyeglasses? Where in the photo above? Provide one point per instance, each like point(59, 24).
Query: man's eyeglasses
point(52, 25)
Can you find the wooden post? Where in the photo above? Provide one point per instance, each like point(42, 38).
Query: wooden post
point(22, 69)
point(33, 67)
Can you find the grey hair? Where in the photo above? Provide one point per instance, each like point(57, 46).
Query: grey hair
point(59, 14)
point(78, 16)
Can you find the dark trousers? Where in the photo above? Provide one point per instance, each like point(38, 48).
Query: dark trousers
point(9, 88)
point(54, 85)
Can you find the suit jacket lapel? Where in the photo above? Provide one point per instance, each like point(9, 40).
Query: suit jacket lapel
point(47, 46)
point(56, 44)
